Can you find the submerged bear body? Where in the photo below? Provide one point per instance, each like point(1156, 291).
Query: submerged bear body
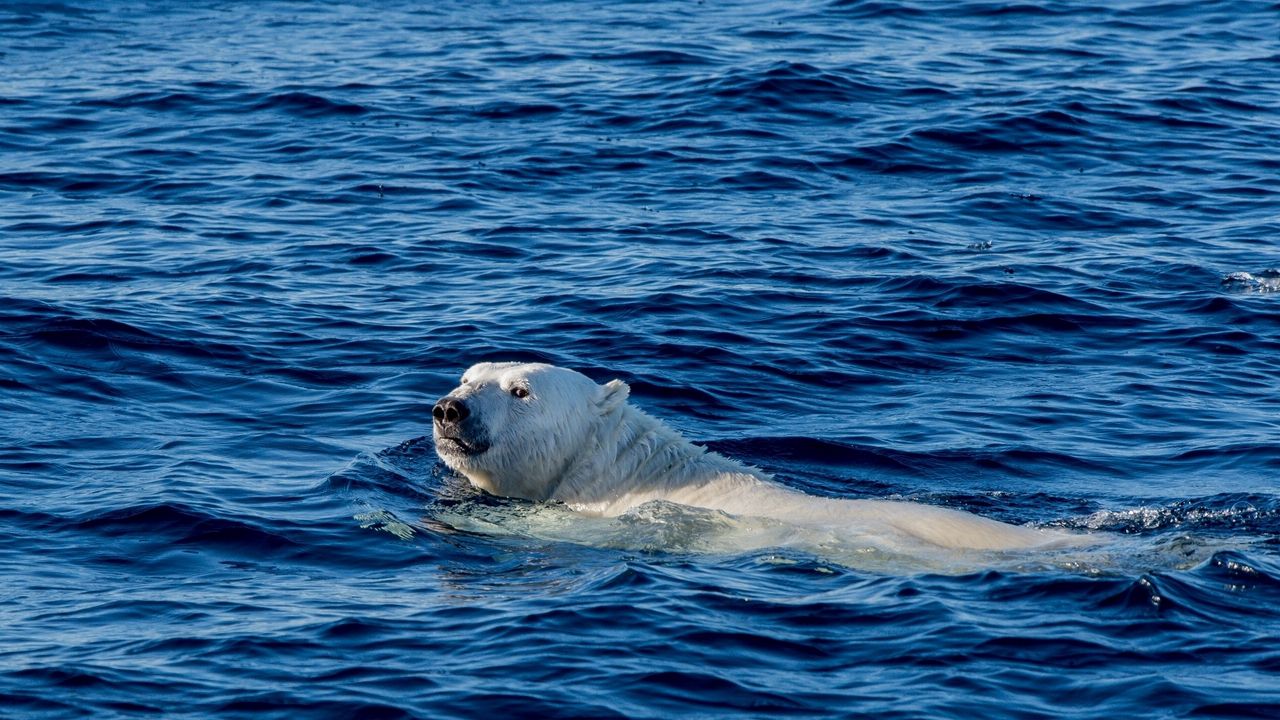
point(545, 433)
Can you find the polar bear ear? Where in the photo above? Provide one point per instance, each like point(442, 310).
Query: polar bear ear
point(613, 394)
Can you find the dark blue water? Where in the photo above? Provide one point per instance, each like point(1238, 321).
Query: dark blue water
point(1010, 257)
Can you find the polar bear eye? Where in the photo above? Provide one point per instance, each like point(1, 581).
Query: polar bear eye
point(520, 392)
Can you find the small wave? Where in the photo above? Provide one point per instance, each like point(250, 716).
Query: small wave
point(877, 9)
point(506, 110)
point(97, 334)
point(792, 87)
point(308, 105)
point(785, 451)
point(762, 180)
point(150, 100)
point(79, 182)
point(1227, 584)
point(657, 58)
point(185, 525)
point(60, 123)
point(1241, 571)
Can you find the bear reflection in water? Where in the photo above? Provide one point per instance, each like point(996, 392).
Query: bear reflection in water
point(544, 433)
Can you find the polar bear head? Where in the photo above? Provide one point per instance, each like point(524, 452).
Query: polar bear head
point(515, 429)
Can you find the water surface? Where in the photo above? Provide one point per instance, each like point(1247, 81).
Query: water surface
point(1012, 258)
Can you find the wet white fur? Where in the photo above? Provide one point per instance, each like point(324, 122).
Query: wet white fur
point(573, 441)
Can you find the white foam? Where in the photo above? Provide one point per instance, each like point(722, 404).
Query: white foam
point(1262, 282)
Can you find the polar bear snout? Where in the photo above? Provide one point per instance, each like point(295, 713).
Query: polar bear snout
point(450, 410)
point(457, 431)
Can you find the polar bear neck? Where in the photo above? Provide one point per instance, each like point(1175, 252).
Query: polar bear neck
point(632, 454)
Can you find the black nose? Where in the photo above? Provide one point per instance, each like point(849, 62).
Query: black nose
point(450, 410)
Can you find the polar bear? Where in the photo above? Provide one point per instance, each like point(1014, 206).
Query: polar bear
point(545, 433)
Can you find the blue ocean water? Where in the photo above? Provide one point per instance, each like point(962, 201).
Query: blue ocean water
point(1016, 258)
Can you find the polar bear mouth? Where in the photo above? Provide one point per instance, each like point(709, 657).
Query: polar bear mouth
point(452, 442)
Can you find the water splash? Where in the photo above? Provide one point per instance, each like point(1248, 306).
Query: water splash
point(1262, 282)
